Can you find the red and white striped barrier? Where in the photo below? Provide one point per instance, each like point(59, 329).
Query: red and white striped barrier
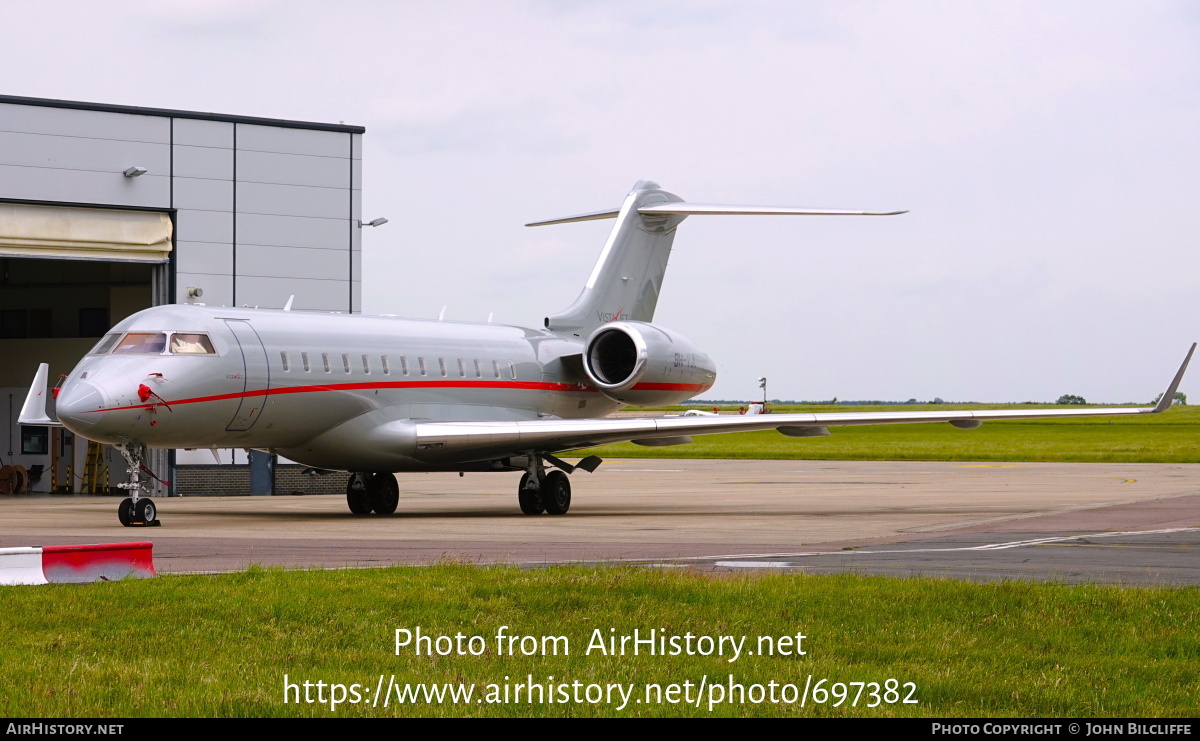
point(67, 564)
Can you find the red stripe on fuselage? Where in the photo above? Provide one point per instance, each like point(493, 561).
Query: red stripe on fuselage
point(369, 386)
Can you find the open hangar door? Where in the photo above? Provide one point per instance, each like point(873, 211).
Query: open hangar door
point(67, 274)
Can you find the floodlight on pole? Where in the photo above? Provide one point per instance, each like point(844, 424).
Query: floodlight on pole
point(762, 384)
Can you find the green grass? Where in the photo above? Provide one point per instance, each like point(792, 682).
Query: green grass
point(220, 646)
point(1170, 437)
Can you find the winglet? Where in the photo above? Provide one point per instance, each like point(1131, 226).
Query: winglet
point(1169, 397)
point(33, 411)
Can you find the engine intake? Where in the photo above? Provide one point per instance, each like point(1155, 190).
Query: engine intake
point(646, 365)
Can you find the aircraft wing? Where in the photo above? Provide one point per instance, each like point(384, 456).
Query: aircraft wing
point(444, 440)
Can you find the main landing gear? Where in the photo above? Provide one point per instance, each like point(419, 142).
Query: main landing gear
point(136, 510)
point(549, 491)
point(372, 492)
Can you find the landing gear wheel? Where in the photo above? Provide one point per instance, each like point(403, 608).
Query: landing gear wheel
point(383, 493)
point(145, 511)
point(530, 497)
point(556, 493)
point(125, 511)
point(357, 497)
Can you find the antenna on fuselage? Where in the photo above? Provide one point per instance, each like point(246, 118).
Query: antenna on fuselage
point(288, 305)
point(442, 314)
point(490, 313)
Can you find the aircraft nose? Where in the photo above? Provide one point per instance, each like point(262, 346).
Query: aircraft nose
point(79, 406)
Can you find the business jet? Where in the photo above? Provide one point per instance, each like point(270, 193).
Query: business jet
point(372, 396)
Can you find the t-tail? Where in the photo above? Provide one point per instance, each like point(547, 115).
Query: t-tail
point(628, 276)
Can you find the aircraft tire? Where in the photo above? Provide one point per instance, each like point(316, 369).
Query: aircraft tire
point(384, 493)
point(556, 493)
point(125, 511)
point(359, 500)
point(145, 511)
point(530, 498)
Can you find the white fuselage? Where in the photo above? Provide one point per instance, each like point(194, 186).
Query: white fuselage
point(284, 381)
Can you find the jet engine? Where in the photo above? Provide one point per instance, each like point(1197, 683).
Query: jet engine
point(646, 365)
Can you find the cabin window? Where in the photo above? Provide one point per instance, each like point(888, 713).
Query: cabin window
point(421, 362)
point(512, 370)
point(191, 343)
point(366, 364)
point(283, 356)
point(496, 367)
point(462, 368)
point(383, 360)
point(304, 361)
point(142, 343)
point(442, 366)
point(478, 369)
point(346, 361)
point(325, 362)
point(106, 344)
point(404, 364)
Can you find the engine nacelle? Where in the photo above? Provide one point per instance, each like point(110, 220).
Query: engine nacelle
point(645, 365)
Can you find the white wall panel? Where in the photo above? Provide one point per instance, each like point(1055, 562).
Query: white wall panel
point(207, 195)
point(292, 141)
point(293, 169)
point(73, 153)
point(82, 186)
point(203, 162)
point(292, 262)
point(356, 146)
point(203, 257)
point(356, 174)
point(293, 200)
point(204, 133)
point(204, 226)
point(218, 289)
point(88, 124)
point(292, 231)
point(356, 235)
point(317, 295)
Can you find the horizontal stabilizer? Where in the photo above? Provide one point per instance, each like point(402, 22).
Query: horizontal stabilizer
point(696, 209)
point(700, 209)
point(593, 216)
point(33, 411)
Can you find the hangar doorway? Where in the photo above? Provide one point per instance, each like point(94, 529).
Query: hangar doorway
point(67, 274)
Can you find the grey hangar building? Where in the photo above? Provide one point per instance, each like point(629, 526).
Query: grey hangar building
point(106, 210)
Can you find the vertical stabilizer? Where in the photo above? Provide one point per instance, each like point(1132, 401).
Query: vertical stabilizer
point(629, 273)
point(628, 276)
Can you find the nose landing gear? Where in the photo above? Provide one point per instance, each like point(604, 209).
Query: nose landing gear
point(136, 510)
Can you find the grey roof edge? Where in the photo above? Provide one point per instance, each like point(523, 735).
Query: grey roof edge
point(168, 112)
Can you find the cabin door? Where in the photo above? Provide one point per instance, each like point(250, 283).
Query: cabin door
point(256, 375)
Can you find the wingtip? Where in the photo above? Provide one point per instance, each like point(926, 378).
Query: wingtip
point(1168, 397)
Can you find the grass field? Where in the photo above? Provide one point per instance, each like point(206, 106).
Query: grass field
point(1170, 437)
point(220, 646)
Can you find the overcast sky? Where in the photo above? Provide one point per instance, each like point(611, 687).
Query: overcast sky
point(1047, 152)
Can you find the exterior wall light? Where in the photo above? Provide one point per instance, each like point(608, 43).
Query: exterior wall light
point(133, 172)
point(374, 222)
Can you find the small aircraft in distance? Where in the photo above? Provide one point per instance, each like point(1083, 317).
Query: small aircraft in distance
point(372, 396)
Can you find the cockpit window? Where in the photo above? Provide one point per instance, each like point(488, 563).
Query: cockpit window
point(191, 343)
point(104, 345)
point(142, 343)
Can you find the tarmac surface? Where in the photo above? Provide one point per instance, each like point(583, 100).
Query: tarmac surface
point(1066, 522)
